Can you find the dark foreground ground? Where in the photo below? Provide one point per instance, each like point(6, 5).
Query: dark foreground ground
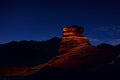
point(107, 72)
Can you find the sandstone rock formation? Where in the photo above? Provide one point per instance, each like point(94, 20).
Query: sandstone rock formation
point(72, 37)
point(76, 51)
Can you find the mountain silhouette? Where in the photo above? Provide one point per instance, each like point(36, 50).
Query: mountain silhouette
point(28, 53)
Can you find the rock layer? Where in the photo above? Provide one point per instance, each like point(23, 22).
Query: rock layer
point(73, 31)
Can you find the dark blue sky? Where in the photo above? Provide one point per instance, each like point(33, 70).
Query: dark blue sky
point(43, 19)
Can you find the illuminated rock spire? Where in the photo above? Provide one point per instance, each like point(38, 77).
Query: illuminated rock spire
point(72, 37)
point(76, 51)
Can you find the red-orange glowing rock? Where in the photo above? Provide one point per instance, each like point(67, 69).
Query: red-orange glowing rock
point(73, 31)
point(75, 50)
point(72, 37)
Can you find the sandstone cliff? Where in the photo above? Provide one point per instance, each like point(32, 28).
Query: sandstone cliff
point(76, 51)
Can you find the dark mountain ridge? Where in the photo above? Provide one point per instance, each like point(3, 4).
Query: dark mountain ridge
point(28, 53)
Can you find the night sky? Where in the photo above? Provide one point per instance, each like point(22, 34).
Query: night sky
point(43, 19)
